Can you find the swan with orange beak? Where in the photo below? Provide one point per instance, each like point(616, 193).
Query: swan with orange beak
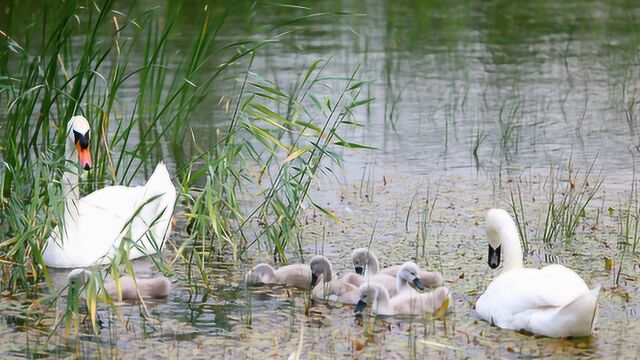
point(94, 227)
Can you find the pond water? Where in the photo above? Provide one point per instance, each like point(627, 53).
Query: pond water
point(532, 86)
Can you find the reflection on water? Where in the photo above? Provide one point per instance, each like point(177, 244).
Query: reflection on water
point(531, 83)
point(459, 88)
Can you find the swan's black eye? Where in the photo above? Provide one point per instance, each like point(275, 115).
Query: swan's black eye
point(364, 296)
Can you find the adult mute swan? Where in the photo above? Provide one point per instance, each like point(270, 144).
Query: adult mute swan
point(94, 226)
point(365, 262)
point(553, 301)
point(406, 303)
point(296, 275)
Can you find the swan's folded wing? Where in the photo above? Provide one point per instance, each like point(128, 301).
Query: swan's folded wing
point(354, 279)
point(296, 275)
point(523, 290)
point(109, 214)
point(391, 270)
point(565, 281)
point(116, 201)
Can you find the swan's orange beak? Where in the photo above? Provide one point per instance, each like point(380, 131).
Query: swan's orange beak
point(84, 156)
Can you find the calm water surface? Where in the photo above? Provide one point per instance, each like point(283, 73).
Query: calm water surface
point(534, 85)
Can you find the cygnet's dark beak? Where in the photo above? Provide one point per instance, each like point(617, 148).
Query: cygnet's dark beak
point(418, 283)
point(360, 270)
point(494, 256)
point(314, 279)
point(360, 306)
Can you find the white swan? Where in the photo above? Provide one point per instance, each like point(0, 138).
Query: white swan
point(329, 287)
point(152, 288)
point(296, 275)
point(94, 226)
point(436, 301)
point(365, 262)
point(553, 301)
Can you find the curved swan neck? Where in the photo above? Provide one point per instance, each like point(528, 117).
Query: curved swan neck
point(70, 187)
point(327, 272)
point(373, 265)
point(511, 249)
point(401, 283)
point(266, 272)
point(70, 175)
point(382, 299)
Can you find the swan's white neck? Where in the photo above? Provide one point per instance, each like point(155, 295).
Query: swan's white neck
point(373, 265)
point(511, 249)
point(381, 304)
point(401, 283)
point(70, 176)
point(70, 188)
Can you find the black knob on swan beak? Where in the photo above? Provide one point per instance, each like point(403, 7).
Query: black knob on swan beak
point(494, 256)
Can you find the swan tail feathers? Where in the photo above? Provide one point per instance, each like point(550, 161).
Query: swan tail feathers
point(582, 313)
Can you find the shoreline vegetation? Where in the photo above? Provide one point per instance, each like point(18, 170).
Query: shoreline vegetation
point(290, 134)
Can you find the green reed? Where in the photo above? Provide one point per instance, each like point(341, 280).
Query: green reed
point(509, 121)
point(290, 137)
point(567, 202)
point(425, 220)
point(628, 228)
point(517, 206)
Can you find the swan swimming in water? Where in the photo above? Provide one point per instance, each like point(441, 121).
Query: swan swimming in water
point(553, 301)
point(365, 262)
point(406, 303)
point(296, 275)
point(94, 226)
point(329, 286)
point(152, 288)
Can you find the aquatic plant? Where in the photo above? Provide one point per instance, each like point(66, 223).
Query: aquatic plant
point(46, 78)
point(567, 203)
point(628, 228)
point(517, 207)
point(509, 120)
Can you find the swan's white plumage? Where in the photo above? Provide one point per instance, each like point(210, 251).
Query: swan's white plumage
point(96, 224)
point(553, 301)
